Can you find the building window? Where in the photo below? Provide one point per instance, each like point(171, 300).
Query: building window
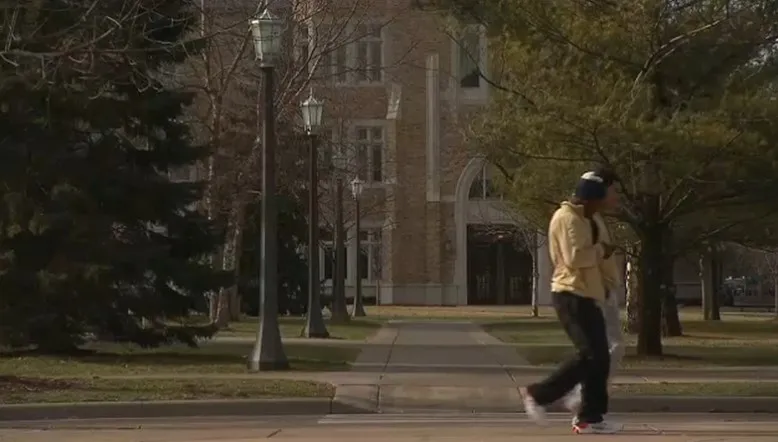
point(325, 148)
point(339, 68)
point(303, 47)
point(330, 50)
point(352, 54)
point(369, 257)
point(471, 58)
point(483, 187)
point(369, 53)
point(327, 257)
point(369, 148)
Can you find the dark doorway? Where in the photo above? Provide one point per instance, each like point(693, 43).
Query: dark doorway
point(499, 266)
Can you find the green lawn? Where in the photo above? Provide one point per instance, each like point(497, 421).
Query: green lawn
point(737, 340)
point(727, 389)
point(355, 330)
point(214, 357)
point(17, 390)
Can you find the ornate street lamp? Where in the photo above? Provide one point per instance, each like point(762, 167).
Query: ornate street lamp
point(267, 33)
point(312, 110)
point(357, 185)
point(268, 352)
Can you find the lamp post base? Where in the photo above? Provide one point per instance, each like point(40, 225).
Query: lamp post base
point(268, 353)
point(316, 334)
point(358, 310)
point(314, 326)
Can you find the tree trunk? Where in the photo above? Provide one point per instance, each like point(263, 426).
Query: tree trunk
point(650, 266)
point(706, 285)
point(237, 251)
point(220, 308)
point(775, 296)
point(338, 303)
point(717, 281)
point(633, 295)
point(535, 278)
point(671, 323)
point(222, 311)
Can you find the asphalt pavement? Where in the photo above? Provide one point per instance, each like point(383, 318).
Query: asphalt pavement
point(395, 428)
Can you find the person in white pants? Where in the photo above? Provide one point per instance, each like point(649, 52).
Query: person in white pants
point(612, 272)
point(612, 313)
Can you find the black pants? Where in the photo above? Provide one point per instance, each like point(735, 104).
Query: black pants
point(585, 325)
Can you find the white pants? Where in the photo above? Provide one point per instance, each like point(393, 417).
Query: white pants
point(612, 315)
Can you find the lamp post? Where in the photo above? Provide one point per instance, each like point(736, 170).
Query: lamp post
point(268, 352)
point(339, 309)
point(312, 110)
point(356, 189)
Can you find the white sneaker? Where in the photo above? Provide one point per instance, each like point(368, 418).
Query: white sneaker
point(533, 410)
point(603, 427)
point(572, 400)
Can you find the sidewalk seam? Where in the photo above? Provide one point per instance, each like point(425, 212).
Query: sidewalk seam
point(379, 384)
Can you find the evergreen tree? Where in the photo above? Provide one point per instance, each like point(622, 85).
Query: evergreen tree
point(292, 258)
point(94, 236)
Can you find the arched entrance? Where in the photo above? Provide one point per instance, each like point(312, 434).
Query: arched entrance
point(494, 256)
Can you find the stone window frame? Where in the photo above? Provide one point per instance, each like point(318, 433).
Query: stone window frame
point(478, 94)
point(372, 242)
point(353, 142)
point(485, 180)
point(327, 242)
point(347, 75)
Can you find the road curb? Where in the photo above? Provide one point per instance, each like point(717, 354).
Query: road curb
point(354, 405)
point(686, 404)
point(634, 404)
point(150, 409)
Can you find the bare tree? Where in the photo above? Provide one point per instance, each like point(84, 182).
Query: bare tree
point(228, 113)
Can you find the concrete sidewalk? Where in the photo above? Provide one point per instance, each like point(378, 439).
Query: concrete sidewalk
point(417, 366)
point(411, 366)
point(434, 347)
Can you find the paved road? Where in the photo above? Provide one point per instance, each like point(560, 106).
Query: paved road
point(395, 428)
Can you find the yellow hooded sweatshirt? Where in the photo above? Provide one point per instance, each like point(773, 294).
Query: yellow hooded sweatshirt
point(575, 258)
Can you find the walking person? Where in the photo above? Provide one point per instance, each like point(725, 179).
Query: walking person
point(577, 286)
point(612, 273)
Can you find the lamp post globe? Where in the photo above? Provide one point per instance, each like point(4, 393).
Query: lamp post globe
point(312, 110)
point(266, 32)
point(339, 162)
point(357, 185)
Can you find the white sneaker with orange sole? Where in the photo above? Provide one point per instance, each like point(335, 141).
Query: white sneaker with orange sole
point(534, 411)
point(603, 427)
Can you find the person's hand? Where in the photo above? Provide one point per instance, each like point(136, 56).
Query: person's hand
point(608, 250)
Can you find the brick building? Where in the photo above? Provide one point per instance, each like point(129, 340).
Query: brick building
point(399, 85)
